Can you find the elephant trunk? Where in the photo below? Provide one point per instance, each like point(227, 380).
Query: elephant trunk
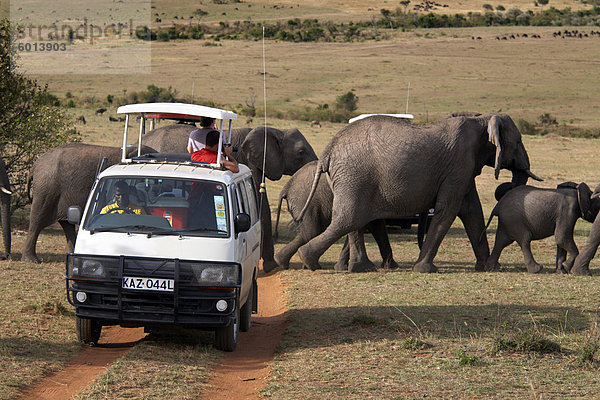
point(519, 177)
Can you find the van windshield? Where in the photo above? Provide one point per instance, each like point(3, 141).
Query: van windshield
point(159, 206)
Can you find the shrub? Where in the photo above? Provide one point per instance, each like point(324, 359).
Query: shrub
point(465, 359)
point(70, 103)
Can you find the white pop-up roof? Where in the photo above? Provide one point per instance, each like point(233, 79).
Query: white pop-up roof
point(408, 116)
point(177, 111)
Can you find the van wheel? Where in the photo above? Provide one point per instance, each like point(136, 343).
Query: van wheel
point(246, 311)
point(226, 338)
point(88, 330)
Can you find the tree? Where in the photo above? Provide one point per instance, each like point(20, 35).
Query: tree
point(347, 102)
point(386, 14)
point(405, 3)
point(30, 121)
point(542, 3)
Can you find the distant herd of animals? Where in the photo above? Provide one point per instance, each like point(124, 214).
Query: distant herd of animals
point(399, 179)
point(575, 34)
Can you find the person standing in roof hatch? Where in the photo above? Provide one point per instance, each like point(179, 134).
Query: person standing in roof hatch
point(197, 139)
point(210, 152)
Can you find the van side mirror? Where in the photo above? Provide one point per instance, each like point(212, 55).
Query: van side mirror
point(74, 215)
point(242, 222)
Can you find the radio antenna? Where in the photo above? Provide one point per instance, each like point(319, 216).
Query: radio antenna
point(407, 97)
point(263, 190)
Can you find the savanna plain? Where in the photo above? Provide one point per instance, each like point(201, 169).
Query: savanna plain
point(393, 334)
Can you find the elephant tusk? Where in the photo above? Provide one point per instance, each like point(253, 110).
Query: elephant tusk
point(5, 190)
point(533, 176)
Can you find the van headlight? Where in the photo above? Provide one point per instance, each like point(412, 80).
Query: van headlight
point(93, 267)
point(213, 274)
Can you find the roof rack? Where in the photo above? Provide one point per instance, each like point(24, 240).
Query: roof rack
point(174, 111)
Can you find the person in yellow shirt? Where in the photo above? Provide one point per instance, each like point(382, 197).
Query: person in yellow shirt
point(121, 203)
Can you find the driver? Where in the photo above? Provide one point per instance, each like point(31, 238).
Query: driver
point(121, 203)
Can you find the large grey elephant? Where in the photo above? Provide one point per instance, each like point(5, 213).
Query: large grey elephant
point(287, 151)
point(318, 217)
point(378, 168)
point(5, 193)
point(60, 178)
point(528, 213)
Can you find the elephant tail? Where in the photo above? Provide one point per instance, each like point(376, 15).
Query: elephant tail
point(282, 195)
point(313, 189)
point(494, 212)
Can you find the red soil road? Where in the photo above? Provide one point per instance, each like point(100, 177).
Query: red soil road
point(240, 375)
point(114, 343)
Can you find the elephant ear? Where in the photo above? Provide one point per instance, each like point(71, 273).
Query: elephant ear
point(494, 138)
point(584, 197)
point(253, 149)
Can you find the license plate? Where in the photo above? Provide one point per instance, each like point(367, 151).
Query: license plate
point(165, 285)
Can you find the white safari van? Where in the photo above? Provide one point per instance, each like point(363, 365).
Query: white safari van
point(185, 250)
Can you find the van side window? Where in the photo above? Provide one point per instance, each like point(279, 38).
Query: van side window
point(234, 200)
point(244, 197)
point(252, 203)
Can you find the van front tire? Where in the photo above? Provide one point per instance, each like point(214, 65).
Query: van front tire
point(226, 338)
point(88, 330)
point(246, 311)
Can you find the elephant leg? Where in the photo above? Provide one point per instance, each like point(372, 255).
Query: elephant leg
point(38, 220)
point(561, 256)
point(359, 262)
point(267, 250)
point(581, 266)
point(379, 232)
point(445, 214)
point(344, 211)
point(6, 225)
point(502, 240)
point(70, 234)
point(565, 244)
point(344, 259)
point(307, 231)
point(471, 215)
point(532, 266)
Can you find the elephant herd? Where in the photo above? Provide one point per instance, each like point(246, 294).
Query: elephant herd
point(375, 168)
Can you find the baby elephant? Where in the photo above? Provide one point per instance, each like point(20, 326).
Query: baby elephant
point(527, 213)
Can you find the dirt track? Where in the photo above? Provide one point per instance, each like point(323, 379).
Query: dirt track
point(242, 372)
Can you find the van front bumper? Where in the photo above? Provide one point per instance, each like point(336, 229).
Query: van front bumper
point(190, 303)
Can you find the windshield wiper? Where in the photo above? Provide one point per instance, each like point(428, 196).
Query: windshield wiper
point(112, 228)
point(182, 232)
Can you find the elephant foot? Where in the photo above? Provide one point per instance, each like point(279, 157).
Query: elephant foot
point(340, 266)
point(581, 271)
point(562, 270)
point(32, 258)
point(308, 260)
point(480, 266)
point(424, 267)
point(269, 265)
point(492, 266)
point(283, 263)
point(567, 266)
point(390, 264)
point(534, 268)
point(362, 266)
